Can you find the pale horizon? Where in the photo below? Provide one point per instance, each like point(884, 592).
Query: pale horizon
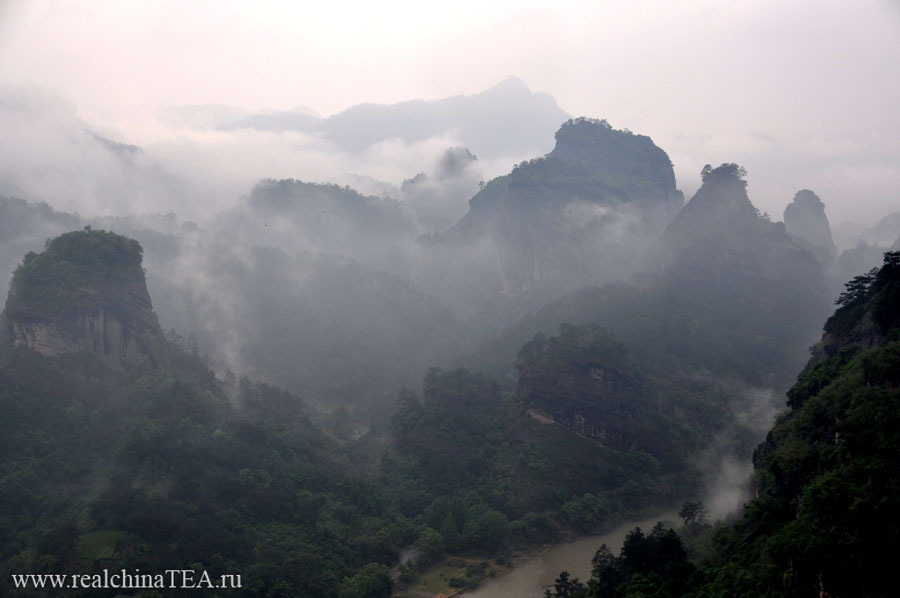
point(802, 95)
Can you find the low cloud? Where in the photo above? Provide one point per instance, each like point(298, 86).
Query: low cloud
point(726, 463)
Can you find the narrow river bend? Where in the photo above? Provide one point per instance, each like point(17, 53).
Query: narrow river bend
point(528, 579)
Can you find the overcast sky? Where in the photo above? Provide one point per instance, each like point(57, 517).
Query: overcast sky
point(803, 93)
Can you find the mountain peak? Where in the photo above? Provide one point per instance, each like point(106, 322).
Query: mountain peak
point(805, 221)
point(807, 198)
point(85, 293)
point(722, 196)
point(511, 84)
point(721, 213)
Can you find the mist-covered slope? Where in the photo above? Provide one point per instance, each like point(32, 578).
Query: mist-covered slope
point(806, 222)
point(299, 216)
point(264, 292)
point(582, 214)
point(24, 226)
point(723, 292)
point(141, 464)
point(823, 519)
point(825, 516)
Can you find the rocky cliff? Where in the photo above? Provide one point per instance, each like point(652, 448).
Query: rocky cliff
point(584, 381)
point(805, 221)
point(85, 294)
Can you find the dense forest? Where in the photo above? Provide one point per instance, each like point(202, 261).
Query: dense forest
point(823, 520)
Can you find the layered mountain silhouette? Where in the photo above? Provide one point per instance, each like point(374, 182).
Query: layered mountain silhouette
point(722, 289)
point(507, 119)
point(582, 214)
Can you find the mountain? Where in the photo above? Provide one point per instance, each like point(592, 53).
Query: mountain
point(823, 519)
point(120, 450)
point(884, 233)
point(502, 472)
point(85, 293)
point(805, 221)
point(301, 216)
point(583, 380)
point(24, 226)
point(722, 291)
point(580, 215)
point(264, 291)
point(506, 120)
point(440, 199)
point(327, 326)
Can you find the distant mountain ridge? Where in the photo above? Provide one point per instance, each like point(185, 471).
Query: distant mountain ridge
point(722, 290)
point(507, 119)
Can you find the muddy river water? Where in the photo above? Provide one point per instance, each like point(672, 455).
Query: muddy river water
point(528, 579)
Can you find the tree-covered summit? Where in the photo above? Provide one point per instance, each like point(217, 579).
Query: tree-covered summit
point(71, 269)
point(595, 161)
point(91, 252)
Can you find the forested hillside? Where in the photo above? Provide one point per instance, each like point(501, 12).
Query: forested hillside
point(824, 517)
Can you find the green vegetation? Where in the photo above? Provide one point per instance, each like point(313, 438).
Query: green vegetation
point(594, 160)
point(485, 474)
point(449, 574)
point(648, 565)
point(49, 280)
point(171, 467)
point(825, 518)
point(98, 546)
point(185, 476)
point(726, 171)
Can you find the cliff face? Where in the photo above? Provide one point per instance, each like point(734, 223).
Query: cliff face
point(581, 380)
point(805, 221)
point(85, 294)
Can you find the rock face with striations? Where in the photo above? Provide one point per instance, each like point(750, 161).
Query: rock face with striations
point(806, 223)
point(85, 294)
point(583, 381)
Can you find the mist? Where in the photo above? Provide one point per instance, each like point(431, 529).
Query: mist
point(353, 290)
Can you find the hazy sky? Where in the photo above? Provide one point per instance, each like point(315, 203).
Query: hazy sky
point(803, 93)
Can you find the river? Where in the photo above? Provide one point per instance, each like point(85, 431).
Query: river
point(528, 579)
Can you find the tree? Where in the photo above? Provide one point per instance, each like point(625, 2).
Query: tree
point(693, 513)
point(856, 290)
point(450, 533)
point(566, 588)
point(430, 544)
point(725, 170)
point(372, 581)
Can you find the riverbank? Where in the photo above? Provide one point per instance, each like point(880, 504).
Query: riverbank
point(535, 570)
point(526, 573)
